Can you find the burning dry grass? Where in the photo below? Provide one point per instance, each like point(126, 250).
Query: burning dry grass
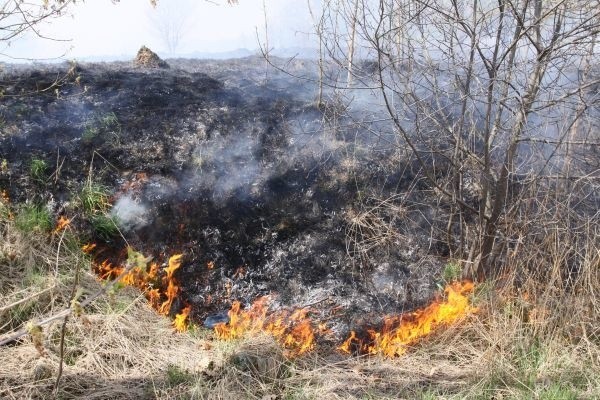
point(495, 354)
point(293, 330)
point(539, 341)
point(120, 348)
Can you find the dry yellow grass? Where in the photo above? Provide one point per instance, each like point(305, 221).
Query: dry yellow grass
point(529, 341)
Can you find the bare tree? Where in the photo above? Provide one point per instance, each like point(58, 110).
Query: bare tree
point(20, 17)
point(488, 98)
point(171, 21)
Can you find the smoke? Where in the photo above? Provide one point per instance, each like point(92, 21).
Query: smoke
point(130, 214)
point(227, 166)
point(241, 163)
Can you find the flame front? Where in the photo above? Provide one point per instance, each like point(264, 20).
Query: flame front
point(160, 292)
point(400, 331)
point(292, 329)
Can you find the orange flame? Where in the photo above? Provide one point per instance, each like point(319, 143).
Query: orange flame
point(62, 223)
point(88, 248)
point(180, 322)
point(160, 293)
point(174, 264)
point(294, 330)
point(400, 331)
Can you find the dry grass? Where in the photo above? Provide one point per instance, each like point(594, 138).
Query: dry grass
point(530, 340)
point(374, 225)
point(118, 349)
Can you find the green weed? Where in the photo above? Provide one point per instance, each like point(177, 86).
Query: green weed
point(556, 391)
point(38, 169)
point(452, 272)
point(106, 127)
point(90, 133)
point(176, 376)
point(104, 225)
point(33, 218)
point(94, 198)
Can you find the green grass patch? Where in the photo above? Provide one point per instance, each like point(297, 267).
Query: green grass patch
point(38, 169)
point(104, 225)
point(33, 218)
point(94, 198)
point(177, 376)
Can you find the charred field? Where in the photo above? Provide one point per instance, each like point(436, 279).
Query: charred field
point(263, 192)
point(235, 189)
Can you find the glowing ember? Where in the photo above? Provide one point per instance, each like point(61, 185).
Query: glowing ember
point(62, 223)
point(294, 330)
point(400, 331)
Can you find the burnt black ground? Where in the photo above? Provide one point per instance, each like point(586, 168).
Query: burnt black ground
point(233, 166)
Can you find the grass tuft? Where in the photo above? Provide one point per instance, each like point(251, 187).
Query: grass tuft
point(94, 198)
point(38, 169)
point(33, 218)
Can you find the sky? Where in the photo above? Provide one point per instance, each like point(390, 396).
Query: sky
point(103, 29)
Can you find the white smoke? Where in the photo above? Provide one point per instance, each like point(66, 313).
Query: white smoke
point(130, 214)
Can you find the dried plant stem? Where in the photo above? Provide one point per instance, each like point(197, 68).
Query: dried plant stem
point(11, 337)
point(26, 299)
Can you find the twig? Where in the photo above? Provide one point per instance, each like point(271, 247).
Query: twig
point(26, 299)
point(63, 328)
point(11, 337)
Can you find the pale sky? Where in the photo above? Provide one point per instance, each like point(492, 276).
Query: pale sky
point(99, 28)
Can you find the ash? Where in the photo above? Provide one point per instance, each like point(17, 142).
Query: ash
point(233, 164)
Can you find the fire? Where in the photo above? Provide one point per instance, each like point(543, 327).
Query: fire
point(180, 322)
point(400, 331)
point(88, 248)
point(145, 276)
point(62, 223)
point(293, 329)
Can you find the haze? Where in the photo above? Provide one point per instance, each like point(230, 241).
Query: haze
point(102, 30)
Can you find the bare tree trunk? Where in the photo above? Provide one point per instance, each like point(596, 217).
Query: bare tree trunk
point(319, 30)
point(351, 43)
